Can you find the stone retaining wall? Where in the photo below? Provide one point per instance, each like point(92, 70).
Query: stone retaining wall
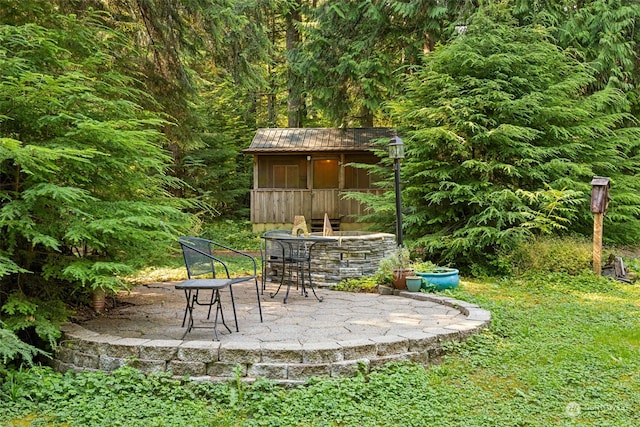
point(285, 363)
point(350, 255)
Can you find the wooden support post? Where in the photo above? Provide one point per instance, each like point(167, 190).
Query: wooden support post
point(599, 202)
point(597, 243)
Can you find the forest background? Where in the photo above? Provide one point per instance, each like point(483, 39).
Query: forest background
point(122, 125)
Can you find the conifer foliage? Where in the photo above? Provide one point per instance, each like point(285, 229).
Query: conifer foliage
point(82, 173)
point(503, 140)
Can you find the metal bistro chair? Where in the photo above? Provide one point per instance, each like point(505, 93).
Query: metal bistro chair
point(291, 257)
point(272, 254)
point(201, 256)
point(299, 256)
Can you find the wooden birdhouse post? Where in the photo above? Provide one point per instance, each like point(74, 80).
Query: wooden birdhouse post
point(599, 202)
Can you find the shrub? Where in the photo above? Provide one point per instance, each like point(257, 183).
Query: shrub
point(360, 284)
point(423, 266)
point(570, 255)
point(13, 349)
point(235, 233)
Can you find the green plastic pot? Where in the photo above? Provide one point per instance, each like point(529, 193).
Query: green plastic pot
point(414, 283)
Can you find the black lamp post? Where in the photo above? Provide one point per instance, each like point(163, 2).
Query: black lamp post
point(396, 152)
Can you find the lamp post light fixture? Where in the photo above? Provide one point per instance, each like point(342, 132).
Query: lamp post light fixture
point(396, 152)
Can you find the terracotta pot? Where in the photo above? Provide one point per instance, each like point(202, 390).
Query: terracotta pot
point(98, 300)
point(400, 276)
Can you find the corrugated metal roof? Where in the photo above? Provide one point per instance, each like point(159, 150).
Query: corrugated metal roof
point(315, 139)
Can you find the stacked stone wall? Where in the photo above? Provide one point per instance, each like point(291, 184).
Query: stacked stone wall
point(282, 362)
point(349, 255)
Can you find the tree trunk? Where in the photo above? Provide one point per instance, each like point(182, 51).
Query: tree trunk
point(295, 102)
point(366, 117)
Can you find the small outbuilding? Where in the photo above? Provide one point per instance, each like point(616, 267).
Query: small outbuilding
point(305, 171)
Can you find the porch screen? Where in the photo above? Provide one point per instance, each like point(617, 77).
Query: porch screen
point(282, 172)
point(325, 173)
point(285, 176)
point(358, 177)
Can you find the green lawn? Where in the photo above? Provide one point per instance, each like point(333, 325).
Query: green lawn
point(562, 350)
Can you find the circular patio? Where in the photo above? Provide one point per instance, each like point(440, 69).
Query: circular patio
point(344, 334)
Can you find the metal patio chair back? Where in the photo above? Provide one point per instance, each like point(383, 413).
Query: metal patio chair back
point(273, 255)
point(199, 259)
point(207, 271)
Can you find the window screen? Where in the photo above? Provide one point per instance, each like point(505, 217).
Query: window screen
point(282, 172)
point(357, 177)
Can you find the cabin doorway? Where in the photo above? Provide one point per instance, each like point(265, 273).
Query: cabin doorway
point(325, 187)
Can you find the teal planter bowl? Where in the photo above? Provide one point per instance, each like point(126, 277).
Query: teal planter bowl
point(442, 278)
point(414, 283)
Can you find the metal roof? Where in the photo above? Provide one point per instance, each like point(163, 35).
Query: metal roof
point(281, 140)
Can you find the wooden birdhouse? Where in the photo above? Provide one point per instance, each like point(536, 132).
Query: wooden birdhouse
point(599, 194)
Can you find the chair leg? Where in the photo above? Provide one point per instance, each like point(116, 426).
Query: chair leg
point(187, 294)
point(213, 294)
point(219, 311)
point(259, 303)
point(282, 275)
point(188, 312)
point(233, 304)
point(263, 279)
point(192, 301)
point(289, 280)
point(310, 282)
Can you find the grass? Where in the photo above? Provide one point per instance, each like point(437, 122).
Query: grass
point(174, 270)
point(561, 351)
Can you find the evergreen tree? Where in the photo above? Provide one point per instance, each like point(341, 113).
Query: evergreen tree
point(83, 176)
point(348, 60)
point(607, 34)
point(503, 139)
point(604, 33)
point(351, 51)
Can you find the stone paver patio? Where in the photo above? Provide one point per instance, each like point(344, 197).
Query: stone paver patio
point(345, 333)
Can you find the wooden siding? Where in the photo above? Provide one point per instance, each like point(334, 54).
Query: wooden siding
point(354, 207)
point(325, 201)
point(279, 206)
